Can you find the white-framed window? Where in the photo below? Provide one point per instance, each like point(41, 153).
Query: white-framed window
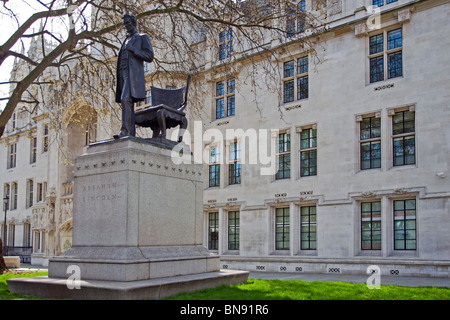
point(225, 43)
point(233, 230)
point(12, 156)
point(33, 150)
point(296, 79)
point(371, 225)
point(405, 225)
point(214, 166)
point(234, 163)
point(225, 98)
point(282, 228)
point(385, 55)
point(14, 195)
point(308, 228)
point(41, 191)
point(213, 230)
point(403, 137)
point(380, 3)
point(370, 142)
point(283, 156)
point(30, 193)
point(45, 138)
point(295, 13)
point(7, 192)
point(308, 151)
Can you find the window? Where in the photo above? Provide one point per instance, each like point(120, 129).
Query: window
point(370, 143)
point(30, 186)
point(6, 192)
point(385, 57)
point(405, 224)
point(225, 98)
point(284, 156)
point(11, 235)
point(33, 149)
point(41, 191)
point(371, 225)
point(225, 44)
point(45, 139)
point(295, 18)
point(27, 234)
point(233, 230)
point(90, 133)
point(282, 229)
point(13, 198)
point(403, 135)
point(379, 3)
point(308, 152)
point(12, 152)
point(214, 166)
point(234, 167)
point(13, 118)
point(295, 80)
point(213, 231)
point(308, 228)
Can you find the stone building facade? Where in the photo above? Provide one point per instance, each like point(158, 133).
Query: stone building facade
point(361, 143)
point(338, 162)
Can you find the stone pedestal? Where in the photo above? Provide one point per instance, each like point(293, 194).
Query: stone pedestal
point(137, 216)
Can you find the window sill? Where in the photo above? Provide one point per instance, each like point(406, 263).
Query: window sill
point(300, 178)
point(296, 104)
point(218, 120)
point(369, 253)
point(373, 170)
point(384, 84)
point(231, 253)
point(234, 185)
point(306, 253)
point(281, 253)
point(403, 167)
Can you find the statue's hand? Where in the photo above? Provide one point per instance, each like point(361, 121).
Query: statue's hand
point(130, 47)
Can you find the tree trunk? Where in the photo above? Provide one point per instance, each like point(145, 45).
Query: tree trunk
point(3, 267)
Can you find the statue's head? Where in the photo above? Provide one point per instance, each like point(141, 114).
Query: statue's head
point(130, 22)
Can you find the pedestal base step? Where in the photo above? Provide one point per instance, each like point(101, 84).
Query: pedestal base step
point(124, 290)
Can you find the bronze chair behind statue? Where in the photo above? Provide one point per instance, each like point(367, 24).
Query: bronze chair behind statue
point(165, 112)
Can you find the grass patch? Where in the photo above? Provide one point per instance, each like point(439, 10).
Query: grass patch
point(257, 289)
point(5, 294)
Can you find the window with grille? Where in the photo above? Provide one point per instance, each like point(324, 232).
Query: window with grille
point(370, 143)
point(308, 228)
point(283, 156)
point(295, 80)
point(404, 138)
point(233, 230)
point(308, 152)
point(225, 98)
point(282, 226)
point(385, 55)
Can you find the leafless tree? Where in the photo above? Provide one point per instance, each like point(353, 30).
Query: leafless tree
point(88, 33)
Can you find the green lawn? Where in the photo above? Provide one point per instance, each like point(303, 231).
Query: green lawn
point(4, 290)
point(256, 289)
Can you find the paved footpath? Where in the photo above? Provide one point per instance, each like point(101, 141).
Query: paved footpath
point(384, 279)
